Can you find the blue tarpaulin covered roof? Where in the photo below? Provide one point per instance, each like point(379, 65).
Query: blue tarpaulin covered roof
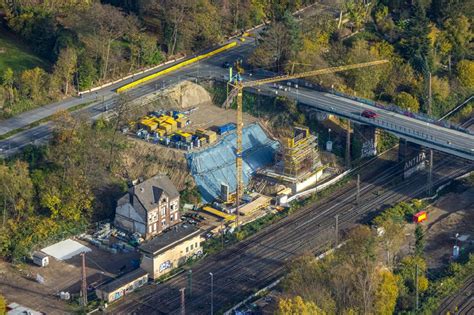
point(216, 164)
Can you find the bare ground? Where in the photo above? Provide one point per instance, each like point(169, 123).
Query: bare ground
point(17, 283)
point(453, 213)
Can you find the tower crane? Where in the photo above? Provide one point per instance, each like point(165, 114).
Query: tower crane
point(238, 86)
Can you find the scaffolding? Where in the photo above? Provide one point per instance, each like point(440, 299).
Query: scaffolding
point(299, 157)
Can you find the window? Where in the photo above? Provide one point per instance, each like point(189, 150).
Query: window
point(163, 211)
point(150, 227)
point(163, 223)
point(196, 245)
point(171, 218)
point(192, 246)
point(187, 249)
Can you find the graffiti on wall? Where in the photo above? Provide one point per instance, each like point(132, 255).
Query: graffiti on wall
point(165, 265)
point(368, 149)
point(414, 165)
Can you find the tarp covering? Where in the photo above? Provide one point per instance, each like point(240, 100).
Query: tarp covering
point(215, 165)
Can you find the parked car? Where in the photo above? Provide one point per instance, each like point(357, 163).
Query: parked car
point(369, 114)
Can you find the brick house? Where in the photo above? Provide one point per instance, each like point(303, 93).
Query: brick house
point(149, 207)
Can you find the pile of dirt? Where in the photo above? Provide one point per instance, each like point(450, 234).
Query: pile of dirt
point(185, 95)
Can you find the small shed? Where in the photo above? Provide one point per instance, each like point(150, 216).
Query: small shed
point(123, 285)
point(420, 217)
point(40, 259)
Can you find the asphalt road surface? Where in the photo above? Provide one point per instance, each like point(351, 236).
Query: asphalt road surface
point(429, 135)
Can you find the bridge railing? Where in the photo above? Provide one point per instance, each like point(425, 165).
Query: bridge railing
point(390, 107)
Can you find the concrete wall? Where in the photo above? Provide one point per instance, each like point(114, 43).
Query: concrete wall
point(128, 219)
point(367, 137)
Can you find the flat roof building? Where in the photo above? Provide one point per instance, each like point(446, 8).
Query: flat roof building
point(170, 249)
point(123, 285)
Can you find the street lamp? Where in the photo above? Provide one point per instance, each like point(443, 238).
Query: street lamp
point(212, 293)
point(329, 134)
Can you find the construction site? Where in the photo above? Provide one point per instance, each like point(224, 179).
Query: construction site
point(204, 138)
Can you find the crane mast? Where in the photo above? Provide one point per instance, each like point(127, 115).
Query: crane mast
point(238, 86)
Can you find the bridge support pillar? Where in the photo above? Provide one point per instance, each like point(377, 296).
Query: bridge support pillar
point(413, 156)
point(365, 141)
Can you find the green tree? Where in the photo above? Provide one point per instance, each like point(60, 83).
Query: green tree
point(465, 70)
point(415, 44)
point(86, 72)
point(297, 306)
point(407, 101)
point(419, 240)
point(459, 33)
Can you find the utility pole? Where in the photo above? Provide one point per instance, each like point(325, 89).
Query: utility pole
point(429, 93)
point(358, 189)
point(430, 173)
point(222, 233)
point(416, 287)
point(84, 281)
point(212, 292)
point(336, 241)
point(348, 144)
point(183, 310)
point(190, 283)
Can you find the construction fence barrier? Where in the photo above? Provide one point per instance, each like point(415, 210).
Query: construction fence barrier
point(176, 67)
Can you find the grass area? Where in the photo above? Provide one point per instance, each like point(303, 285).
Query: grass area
point(16, 55)
point(39, 122)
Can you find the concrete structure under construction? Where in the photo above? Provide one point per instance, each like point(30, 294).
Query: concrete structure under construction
point(298, 163)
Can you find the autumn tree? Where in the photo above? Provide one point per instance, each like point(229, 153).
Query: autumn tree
point(411, 270)
point(386, 294)
point(65, 68)
point(99, 27)
point(16, 191)
point(465, 70)
point(3, 305)
point(297, 306)
point(32, 83)
point(407, 101)
point(365, 80)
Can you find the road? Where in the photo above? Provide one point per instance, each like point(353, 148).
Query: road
point(426, 134)
point(260, 260)
point(106, 99)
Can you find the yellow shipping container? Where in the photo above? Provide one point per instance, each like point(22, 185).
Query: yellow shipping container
point(166, 127)
point(160, 132)
point(182, 122)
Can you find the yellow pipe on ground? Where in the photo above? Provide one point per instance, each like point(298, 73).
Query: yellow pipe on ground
point(175, 67)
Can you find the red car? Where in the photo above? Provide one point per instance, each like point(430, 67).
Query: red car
point(369, 114)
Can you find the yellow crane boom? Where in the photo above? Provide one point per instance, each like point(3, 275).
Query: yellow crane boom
point(238, 90)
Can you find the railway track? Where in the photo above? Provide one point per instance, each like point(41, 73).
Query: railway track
point(462, 303)
point(262, 258)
